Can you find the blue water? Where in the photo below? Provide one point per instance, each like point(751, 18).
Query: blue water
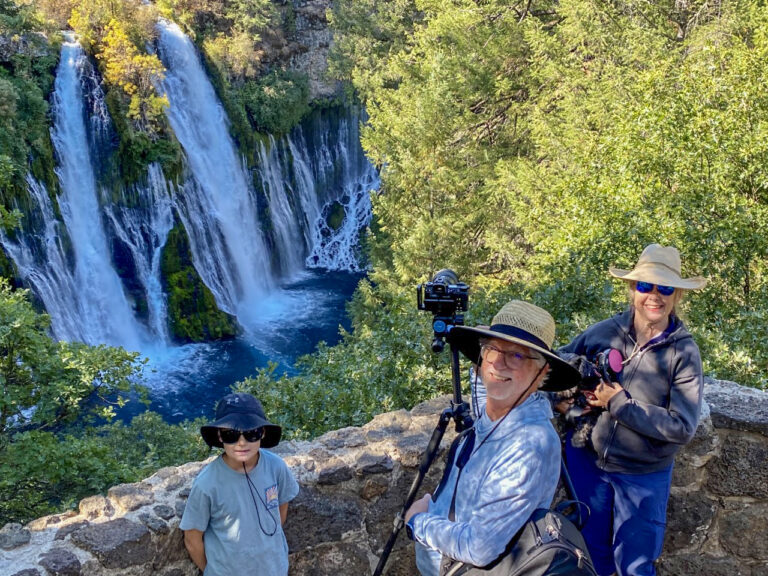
point(186, 381)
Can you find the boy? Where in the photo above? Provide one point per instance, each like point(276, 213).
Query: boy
point(234, 515)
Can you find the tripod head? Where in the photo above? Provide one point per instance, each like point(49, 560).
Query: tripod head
point(445, 297)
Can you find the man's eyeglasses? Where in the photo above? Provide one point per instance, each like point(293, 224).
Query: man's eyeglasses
point(231, 435)
point(511, 359)
point(647, 288)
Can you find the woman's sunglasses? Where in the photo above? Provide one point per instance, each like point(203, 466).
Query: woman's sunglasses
point(231, 435)
point(647, 288)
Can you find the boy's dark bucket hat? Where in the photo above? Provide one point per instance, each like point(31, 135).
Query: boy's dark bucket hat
point(241, 412)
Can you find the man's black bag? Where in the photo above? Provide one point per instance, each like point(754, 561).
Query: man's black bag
point(547, 545)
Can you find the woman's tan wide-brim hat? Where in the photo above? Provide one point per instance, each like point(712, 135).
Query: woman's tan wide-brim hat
point(659, 265)
point(525, 324)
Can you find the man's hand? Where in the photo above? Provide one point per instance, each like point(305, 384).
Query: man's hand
point(604, 392)
point(417, 507)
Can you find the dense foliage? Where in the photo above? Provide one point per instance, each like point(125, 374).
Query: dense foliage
point(27, 62)
point(192, 312)
point(530, 145)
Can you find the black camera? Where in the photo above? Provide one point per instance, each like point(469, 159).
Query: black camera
point(445, 297)
point(581, 416)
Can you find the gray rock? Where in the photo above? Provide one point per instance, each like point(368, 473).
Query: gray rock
point(128, 497)
point(13, 535)
point(333, 471)
point(369, 462)
point(333, 559)
point(374, 487)
point(65, 531)
point(154, 523)
point(737, 407)
point(180, 506)
point(387, 426)
point(350, 437)
point(96, 506)
point(741, 469)
point(742, 530)
point(689, 516)
point(316, 517)
point(118, 543)
point(61, 562)
point(164, 511)
point(28, 572)
point(691, 564)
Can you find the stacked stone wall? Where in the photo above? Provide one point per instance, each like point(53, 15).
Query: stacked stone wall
point(353, 482)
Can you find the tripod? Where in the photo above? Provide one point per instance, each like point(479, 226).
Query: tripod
point(459, 413)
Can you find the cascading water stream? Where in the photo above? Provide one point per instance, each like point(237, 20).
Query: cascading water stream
point(143, 230)
point(42, 263)
point(96, 266)
point(104, 313)
point(216, 203)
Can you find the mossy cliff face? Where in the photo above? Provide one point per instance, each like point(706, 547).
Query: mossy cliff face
point(192, 312)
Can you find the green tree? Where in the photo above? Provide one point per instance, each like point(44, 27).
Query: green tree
point(531, 145)
point(44, 383)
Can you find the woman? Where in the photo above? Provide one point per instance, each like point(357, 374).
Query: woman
point(624, 474)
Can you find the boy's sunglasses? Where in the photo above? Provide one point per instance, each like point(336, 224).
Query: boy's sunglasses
point(231, 435)
point(647, 288)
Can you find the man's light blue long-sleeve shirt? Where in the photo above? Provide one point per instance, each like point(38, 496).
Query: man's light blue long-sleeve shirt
point(508, 476)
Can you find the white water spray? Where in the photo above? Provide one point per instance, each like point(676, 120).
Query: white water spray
point(104, 313)
point(216, 203)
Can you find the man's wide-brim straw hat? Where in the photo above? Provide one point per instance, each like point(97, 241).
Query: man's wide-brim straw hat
point(525, 324)
point(659, 265)
point(241, 412)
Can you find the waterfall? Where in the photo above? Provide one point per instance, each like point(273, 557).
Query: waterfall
point(240, 258)
point(286, 218)
point(338, 150)
point(216, 203)
point(143, 230)
point(41, 262)
point(104, 313)
point(93, 261)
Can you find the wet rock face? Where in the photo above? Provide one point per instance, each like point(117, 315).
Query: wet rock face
point(353, 484)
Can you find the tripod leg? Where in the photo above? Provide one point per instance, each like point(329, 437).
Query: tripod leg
point(426, 461)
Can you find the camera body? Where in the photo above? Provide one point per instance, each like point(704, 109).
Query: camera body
point(581, 416)
point(445, 297)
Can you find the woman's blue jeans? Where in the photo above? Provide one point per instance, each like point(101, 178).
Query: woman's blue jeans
point(625, 530)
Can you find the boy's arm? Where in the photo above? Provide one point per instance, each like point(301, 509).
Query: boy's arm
point(283, 512)
point(193, 540)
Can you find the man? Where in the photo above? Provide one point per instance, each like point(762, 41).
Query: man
point(508, 465)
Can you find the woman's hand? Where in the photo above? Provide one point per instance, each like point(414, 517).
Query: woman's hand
point(604, 392)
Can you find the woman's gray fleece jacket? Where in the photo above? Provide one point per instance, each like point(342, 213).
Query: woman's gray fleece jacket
point(642, 429)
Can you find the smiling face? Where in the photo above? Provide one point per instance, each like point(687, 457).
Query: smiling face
point(653, 309)
point(509, 386)
point(242, 452)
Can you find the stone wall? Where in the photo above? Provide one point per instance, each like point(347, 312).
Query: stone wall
point(353, 482)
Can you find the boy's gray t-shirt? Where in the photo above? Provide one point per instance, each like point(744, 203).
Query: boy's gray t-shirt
point(238, 540)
